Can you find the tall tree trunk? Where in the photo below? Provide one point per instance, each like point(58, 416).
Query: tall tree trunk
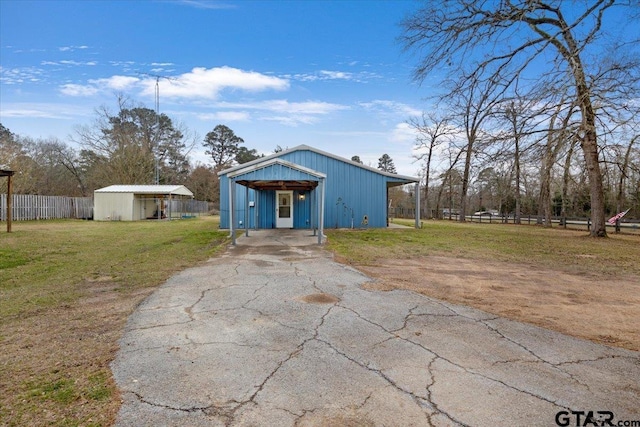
point(623, 174)
point(465, 180)
point(589, 142)
point(544, 199)
point(438, 199)
point(565, 180)
point(426, 184)
point(518, 193)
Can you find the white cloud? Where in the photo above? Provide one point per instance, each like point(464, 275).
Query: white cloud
point(288, 113)
point(307, 107)
point(199, 83)
point(69, 62)
point(204, 4)
point(226, 116)
point(30, 113)
point(42, 111)
point(291, 120)
point(341, 75)
point(71, 48)
point(115, 82)
point(280, 110)
point(161, 64)
point(71, 89)
point(121, 63)
point(386, 107)
point(403, 133)
point(12, 76)
point(323, 75)
point(118, 83)
point(208, 83)
point(356, 133)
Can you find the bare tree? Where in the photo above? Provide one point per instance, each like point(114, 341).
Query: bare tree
point(520, 116)
point(624, 173)
point(507, 40)
point(475, 102)
point(431, 130)
point(557, 138)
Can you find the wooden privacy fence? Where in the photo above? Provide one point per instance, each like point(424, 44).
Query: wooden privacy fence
point(33, 207)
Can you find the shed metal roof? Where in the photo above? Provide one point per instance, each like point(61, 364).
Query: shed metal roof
point(178, 190)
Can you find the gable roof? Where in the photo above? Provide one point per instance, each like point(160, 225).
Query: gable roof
point(179, 190)
point(231, 171)
point(271, 162)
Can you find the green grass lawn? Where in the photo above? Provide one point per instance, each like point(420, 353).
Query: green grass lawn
point(567, 250)
point(66, 289)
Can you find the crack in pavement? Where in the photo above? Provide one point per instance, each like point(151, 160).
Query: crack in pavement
point(419, 400)
point(256, 360)
point(464, 368)
point(161, 405)
point(189, 310)
point(279, 365)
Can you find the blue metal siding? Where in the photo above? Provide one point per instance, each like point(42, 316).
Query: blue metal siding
point(277, 172)
point(224, 201)
point(239, 211)
point(350, 192)
point(301, 210)
point(267, 209)
point(349, 188)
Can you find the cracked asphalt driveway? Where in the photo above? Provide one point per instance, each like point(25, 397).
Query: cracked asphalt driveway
point(274, 332)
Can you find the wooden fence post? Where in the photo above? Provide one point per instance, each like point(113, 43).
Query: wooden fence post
point(9, 197)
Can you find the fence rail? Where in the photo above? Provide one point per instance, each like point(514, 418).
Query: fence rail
point(34, 207)
point(188, 208)
point(630, 226)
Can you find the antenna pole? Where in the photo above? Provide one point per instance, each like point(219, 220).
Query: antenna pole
point(157, 127)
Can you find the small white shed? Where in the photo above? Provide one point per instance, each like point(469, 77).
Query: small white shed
point(137, 202)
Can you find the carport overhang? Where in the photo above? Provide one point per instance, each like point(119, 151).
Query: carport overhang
point(400, 180)
point(276, 174)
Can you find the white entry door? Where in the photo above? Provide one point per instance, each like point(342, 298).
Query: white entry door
point(284, 209)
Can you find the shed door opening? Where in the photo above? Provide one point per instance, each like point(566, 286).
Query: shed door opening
point(284, 209)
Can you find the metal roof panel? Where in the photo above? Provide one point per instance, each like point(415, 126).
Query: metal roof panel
point(179, 190)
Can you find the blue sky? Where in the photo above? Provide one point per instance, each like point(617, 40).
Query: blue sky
point(330, 74)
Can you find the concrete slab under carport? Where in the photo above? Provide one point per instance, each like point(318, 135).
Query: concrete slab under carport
point(274, 332)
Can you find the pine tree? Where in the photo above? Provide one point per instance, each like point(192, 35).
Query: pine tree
point(385, 163)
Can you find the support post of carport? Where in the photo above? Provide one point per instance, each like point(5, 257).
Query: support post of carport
point(246, 211)
point(417, 194)
point(321, 211)
point(314, 213)
point(232, 200)
point(256, 196)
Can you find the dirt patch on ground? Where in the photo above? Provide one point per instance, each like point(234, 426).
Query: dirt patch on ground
point(320, 299)
point(598, 308)
point(55, 363)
